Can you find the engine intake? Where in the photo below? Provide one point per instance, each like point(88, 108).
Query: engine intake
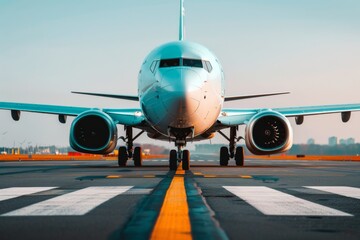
point(268, 132)
point(93, 132)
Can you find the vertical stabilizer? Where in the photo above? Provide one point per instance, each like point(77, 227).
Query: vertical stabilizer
point(181, 23)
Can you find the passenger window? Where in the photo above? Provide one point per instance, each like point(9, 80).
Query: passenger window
point(170, 63)
point(192, 63)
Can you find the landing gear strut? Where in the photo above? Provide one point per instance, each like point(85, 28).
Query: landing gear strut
point(180, 142)
point(232, 152)
point(128, 152)
point(179, 156)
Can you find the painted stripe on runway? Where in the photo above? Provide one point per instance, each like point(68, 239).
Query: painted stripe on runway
point(276, 203)
point(351, 192)
point(75, 203)
point(14, 192)
point(173, 221)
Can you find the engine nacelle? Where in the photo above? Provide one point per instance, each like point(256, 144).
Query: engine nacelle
point(93, 132)
point(268, 132)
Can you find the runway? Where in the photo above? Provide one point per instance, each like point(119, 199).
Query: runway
point(98, 200)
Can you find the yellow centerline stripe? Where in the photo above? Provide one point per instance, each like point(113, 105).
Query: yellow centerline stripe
point(246, 176)
point(173, 221)
point(113, 176)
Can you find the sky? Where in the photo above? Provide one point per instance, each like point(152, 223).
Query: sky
point(50, 48)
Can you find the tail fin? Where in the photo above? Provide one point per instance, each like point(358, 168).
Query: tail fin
point(181, 23)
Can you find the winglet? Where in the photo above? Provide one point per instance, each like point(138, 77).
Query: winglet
point(181, 23)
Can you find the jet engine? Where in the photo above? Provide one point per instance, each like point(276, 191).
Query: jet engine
point(93, 132)
point(268, 132)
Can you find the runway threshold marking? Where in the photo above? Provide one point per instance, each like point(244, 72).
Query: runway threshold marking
point(173, 221)
point(276, 203)
point(14, 192)
point(72, 204)
point(351, 192)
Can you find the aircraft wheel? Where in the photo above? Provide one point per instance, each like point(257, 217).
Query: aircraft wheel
point(137, 157)
point(224, 156)
point(122, 157)
point(186, 160)
point(239, 156)
point(173, 160)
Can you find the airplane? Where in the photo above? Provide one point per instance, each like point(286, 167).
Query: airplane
point(181, 95)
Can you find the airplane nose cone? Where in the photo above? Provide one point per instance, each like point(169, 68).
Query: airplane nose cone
point(181, 92)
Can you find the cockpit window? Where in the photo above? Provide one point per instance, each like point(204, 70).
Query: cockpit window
point(186, 62)
point(208, 66)
point(192, 63)
point(174, 62)
point(154, 65)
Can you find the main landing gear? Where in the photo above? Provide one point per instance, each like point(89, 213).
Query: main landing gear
point(128, 152)
point(237, 153)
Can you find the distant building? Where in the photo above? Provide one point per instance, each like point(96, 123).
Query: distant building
point(350, 141)
point(311, 141)
point(333, 141)
point(342, 141)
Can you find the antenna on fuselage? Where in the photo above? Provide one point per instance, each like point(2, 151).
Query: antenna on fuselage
point(181, 23)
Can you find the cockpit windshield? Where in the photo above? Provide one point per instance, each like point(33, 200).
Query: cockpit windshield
point(192, 63)
point(186, 62)
point(174, 62)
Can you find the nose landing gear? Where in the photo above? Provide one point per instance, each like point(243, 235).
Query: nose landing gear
point(180, 142)
point(179, 156)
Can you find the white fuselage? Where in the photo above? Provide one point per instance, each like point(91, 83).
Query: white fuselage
point(181, 86)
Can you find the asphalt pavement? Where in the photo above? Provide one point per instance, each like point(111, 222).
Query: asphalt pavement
point(98, 200)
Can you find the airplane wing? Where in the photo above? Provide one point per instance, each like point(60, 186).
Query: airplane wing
point(129, 117)
point(233, 98)
point(233, 117)
point(41, 108)
point(125, 97)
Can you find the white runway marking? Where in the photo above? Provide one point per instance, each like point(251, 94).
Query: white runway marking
point(14, 192)
point(75, 203)
point(273, 202)
point(351, 192)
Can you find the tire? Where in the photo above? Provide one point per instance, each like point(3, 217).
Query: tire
point(173, 160)
point(137, 157)
point(122, 157)
point(239, 156)
point(224, 156)
point(186, 160)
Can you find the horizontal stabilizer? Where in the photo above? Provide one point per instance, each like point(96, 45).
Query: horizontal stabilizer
point(126, 97)
point(233, 98)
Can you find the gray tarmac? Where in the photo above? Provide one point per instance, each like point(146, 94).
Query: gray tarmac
point(215, 212)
